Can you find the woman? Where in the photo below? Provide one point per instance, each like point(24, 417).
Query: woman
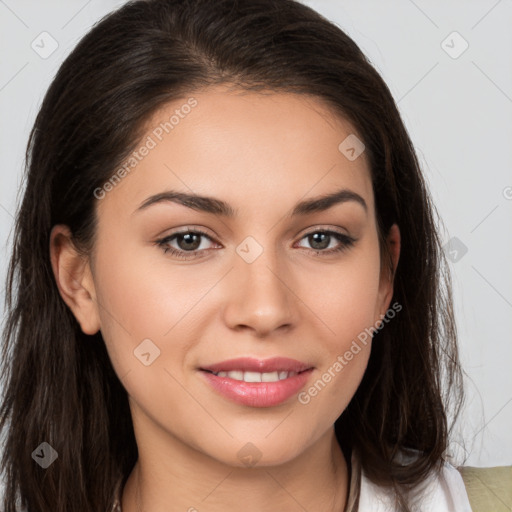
point(226, 285)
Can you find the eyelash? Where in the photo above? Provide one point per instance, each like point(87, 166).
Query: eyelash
point(346, 243)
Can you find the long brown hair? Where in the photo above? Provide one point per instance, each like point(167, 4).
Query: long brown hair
point(59, 384)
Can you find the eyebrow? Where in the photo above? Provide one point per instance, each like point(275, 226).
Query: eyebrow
point(218, 207)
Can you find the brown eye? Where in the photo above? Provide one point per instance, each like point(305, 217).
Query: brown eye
point(187, 242)
point(322, 239)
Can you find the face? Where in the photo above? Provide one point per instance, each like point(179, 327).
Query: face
point(183, 287)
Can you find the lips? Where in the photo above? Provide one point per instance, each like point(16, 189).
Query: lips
point(257, 383)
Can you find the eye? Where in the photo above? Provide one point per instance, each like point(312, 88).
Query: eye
point(188, 241)
point(321, 240)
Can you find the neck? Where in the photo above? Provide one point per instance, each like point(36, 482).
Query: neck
point(188, 480)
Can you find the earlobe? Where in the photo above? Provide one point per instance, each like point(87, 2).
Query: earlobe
point(387, 278)
point(74, 279)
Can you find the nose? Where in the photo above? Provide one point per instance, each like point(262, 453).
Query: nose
point(260, 296)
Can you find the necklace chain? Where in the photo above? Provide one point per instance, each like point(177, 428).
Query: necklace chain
point(138, 497)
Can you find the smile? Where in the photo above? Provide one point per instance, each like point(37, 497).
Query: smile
point(257, 383)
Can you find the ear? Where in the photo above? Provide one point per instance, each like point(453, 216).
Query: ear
point(386, 277)
point(74, 279)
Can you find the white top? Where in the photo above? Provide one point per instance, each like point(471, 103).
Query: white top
point(443, 493)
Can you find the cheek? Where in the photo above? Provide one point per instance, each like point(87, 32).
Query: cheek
point(345, 301)
point(140, 299)
point(139, 315)
point(342, 369)
point(345, 296)
point(130, 311)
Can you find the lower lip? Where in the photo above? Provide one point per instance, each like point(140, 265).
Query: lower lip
point(257, 394)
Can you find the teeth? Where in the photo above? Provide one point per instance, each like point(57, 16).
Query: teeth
point(270, 377)
point(256, 376)
point(252, 377)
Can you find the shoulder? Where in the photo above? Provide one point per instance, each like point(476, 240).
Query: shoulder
point(441, 492)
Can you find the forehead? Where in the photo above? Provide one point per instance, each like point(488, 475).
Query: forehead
point(248, 148)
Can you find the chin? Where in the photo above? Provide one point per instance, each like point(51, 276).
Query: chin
point(265, 452)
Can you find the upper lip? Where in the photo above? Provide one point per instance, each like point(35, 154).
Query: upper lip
point(251, 364)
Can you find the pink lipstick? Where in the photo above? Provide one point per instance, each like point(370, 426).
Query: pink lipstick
point(257, 383)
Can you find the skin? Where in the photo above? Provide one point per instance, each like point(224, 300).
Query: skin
point(261, 153)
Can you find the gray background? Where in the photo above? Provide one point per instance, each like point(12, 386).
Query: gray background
point(457, 106)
